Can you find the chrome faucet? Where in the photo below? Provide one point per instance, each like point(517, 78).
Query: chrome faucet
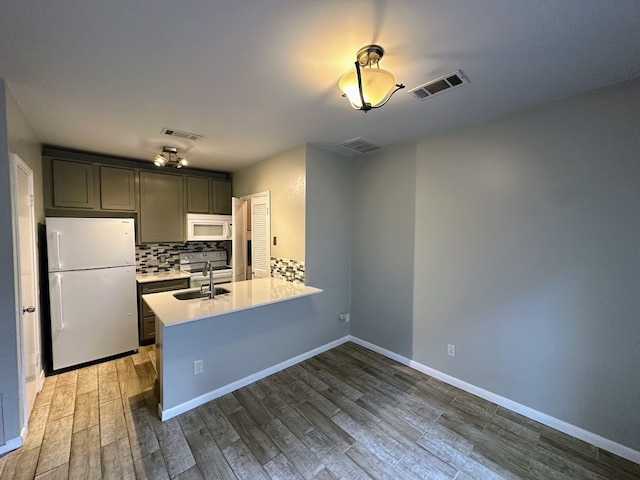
point(209, 270)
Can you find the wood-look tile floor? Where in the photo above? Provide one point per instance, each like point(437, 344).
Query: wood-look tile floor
point(348, 413)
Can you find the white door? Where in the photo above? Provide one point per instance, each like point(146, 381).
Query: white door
point(29, 323)
point(93, 314)
point(80, 243)
point(238, 262)
point(260, 236)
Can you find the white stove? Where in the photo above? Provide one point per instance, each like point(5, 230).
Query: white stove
point(193, 264)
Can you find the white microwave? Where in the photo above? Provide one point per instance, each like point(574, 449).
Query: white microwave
point(203, 227)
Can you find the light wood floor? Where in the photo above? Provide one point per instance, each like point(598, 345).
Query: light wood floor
point(347, 413)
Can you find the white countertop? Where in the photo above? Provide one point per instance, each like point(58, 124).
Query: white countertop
point(160, 276)
point(244, 295)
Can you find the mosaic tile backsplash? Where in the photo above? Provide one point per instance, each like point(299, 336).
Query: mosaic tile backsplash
point(164, 257)
point(290, 270)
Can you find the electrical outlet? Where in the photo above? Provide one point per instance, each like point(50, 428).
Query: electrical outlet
point(345, 317)
point(451, 350)
point(198, 367)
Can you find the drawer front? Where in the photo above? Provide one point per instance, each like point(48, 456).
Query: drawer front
point(165, 285)
point(148, 327)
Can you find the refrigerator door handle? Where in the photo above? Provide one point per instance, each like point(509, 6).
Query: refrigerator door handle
point(57, 237)
point(60, 316)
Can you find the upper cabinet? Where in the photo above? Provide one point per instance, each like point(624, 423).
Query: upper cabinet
point(197, 195)
point(221, 197)
point(206, 195)
point(84, 184)
point(118, 188)
point(73, 184)
point(70, 186)
point(161, 208)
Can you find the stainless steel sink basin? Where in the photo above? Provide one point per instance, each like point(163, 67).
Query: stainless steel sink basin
point(199, 294)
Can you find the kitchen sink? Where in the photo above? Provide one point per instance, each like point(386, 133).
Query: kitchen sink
point(199, 294)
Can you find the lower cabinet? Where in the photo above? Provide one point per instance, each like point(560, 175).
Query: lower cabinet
point(146, 318)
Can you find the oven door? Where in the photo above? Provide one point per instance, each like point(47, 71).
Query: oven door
point(225, 276)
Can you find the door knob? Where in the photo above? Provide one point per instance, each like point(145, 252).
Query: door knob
point(28, 309)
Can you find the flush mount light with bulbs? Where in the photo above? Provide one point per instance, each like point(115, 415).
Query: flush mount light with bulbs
point(369, 86)
point(171, 158)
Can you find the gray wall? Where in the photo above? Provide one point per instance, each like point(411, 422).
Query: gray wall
point(328, 236)
point(240, 344)
point(237, 345)
point(8, 342)
point(384, 189)
point(16, 136)
point(527, 258)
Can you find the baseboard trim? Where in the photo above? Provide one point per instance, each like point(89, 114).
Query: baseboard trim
point(243, 382)
point(14, 443)
point(553, 422)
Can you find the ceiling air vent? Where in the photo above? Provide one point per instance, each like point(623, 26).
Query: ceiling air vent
point(439, 85)
point(359, 145)
point(179, 134)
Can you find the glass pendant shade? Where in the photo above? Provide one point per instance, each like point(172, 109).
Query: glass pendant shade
point(174, 160)
point(159, 160)
point(376, 85)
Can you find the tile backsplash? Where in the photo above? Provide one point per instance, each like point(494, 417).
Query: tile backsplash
point(290, 270)
point(164, 257)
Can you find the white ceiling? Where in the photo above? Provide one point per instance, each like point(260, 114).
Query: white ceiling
point(256, 78)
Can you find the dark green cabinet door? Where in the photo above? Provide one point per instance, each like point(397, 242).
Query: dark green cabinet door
point(220, 197)
point(197, 195)
point(162, 217)
point(73, 184)
point(146, 318)
point(117, 188)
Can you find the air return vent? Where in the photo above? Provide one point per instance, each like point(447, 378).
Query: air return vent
point(440, 85)
point(359, 145)
point(179, 134)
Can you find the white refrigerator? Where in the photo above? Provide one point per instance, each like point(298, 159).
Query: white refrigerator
point(92, 288)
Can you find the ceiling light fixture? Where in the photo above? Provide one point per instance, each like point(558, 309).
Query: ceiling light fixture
point(367, 87)
point(173, 159)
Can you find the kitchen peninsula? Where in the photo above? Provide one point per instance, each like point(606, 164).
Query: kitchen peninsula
point(237, 338)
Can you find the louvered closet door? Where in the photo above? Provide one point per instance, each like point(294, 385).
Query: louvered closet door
point(260, 235)
point(238, 246)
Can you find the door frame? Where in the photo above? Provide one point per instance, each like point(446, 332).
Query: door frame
point(244, 198)
point(16, 163)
